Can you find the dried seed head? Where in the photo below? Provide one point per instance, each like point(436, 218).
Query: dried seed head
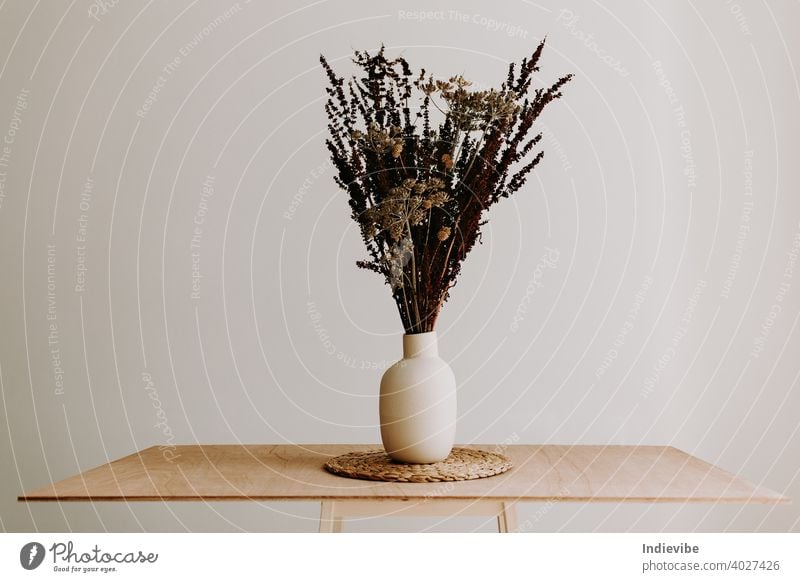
point(436, 184)
point(396, 231)
point(438, 198)
point(443, 234)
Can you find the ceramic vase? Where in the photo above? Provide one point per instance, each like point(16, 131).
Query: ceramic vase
point(418, 403)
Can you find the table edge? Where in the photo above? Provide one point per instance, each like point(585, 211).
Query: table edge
point(780, 500)
point(775, 499)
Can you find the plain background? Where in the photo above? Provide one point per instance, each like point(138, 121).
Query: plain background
point(642, 288)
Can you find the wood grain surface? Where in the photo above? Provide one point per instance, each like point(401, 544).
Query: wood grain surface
point(596, 473)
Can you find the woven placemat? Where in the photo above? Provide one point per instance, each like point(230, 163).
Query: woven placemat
point(461, 465)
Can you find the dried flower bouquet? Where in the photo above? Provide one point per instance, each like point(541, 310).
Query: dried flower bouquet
point(422, 160)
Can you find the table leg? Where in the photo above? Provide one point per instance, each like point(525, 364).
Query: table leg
point(507, 518)
point(329, 521)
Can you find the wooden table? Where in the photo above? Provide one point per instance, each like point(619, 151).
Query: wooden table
point(548, 473)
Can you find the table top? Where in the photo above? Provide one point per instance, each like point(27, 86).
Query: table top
point(596, 473)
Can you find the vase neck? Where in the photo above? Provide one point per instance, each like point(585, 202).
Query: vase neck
point(417, 345)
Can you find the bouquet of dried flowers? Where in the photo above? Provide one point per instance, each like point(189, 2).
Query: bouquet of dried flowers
point(422, 160)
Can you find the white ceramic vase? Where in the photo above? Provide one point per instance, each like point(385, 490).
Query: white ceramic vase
point(418, 403)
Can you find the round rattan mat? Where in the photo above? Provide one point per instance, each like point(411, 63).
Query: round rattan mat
point(461, 465)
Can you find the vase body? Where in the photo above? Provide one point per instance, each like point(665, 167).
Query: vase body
point(418, 403)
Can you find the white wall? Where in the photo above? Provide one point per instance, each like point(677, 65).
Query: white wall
point(677, 182)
